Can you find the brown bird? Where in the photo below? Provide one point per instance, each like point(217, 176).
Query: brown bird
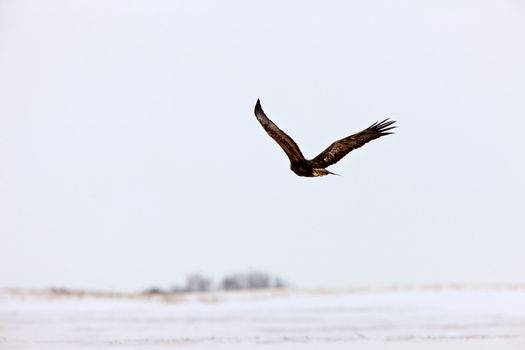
point(331, 155)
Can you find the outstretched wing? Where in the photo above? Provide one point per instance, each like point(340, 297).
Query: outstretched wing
point(341, 148)
point(287, 144)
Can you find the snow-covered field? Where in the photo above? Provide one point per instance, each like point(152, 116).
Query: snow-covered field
point(388, 319)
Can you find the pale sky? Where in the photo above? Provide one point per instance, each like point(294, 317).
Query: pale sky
point(130, 155)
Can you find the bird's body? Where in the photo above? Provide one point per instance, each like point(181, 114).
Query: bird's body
point(337, 150)
point(305, 168)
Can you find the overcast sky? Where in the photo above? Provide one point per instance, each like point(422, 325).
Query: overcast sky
point(130, 155)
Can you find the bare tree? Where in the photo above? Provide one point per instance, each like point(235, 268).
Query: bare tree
point(251, 280)
point(197, 283)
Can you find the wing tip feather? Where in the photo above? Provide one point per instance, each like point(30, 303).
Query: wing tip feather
point(258, 107)
point(383, 126)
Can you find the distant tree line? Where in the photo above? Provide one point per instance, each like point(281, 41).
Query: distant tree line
point(236, 281)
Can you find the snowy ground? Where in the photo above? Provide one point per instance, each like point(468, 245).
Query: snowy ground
point(389, 319)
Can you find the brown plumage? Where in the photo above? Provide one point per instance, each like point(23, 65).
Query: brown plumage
point(331, 155)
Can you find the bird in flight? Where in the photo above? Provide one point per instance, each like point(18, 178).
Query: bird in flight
point(331, 155)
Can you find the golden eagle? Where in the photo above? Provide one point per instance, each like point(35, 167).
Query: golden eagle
point(331, 155)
